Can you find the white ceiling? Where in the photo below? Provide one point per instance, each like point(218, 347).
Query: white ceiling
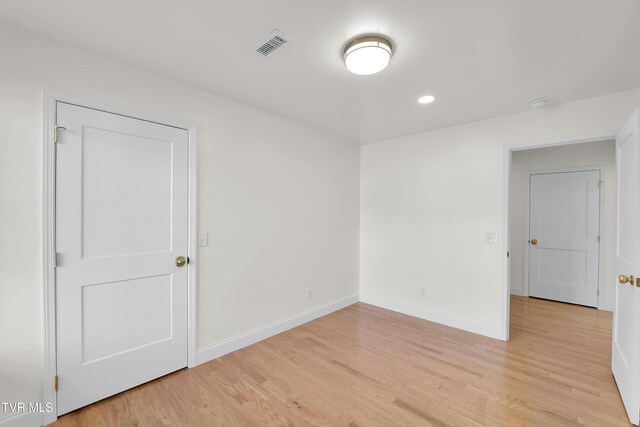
point(480, 58)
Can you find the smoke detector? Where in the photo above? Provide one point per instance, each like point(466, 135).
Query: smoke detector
point(538, 103)
point(274, 42)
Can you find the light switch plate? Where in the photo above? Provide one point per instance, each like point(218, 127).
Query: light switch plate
point(203, 240)
point(491, 237)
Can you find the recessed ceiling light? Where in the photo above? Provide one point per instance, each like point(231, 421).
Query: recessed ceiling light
point(427, 99)
point(367, 55)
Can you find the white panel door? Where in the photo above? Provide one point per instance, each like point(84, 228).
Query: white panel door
point(121, 222)
point(564, 224)
point(625, 360)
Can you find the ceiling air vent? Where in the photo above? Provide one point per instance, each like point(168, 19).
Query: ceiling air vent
point(275, 41)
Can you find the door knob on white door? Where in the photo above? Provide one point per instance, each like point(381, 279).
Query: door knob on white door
point(534, 241)
point(628, 279)
point(181, 261)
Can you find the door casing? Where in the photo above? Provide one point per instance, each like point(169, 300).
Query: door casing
point(527, 247)
point(49, 226)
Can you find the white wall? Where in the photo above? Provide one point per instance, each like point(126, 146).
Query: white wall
point(279, 200)
point(567, 156)
point(427, 200)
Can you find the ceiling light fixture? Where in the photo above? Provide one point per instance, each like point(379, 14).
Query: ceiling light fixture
point(427, 99)
point(366, 55)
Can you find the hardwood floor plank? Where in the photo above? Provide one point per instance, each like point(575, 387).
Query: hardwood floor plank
point(366, 366)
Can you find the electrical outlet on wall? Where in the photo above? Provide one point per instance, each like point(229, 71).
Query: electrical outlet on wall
point(422, 292)
point(309, 293)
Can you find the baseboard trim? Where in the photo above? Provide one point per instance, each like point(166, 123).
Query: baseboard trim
point(518, 292)
point(606, 307)
point(24, 419)
point(237, 342)
point(454, 322)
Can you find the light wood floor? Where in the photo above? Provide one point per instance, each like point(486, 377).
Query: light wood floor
point(365, 366)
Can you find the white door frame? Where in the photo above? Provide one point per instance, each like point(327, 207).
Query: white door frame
point(506, 211)
point(601, 229)
point(49, 226)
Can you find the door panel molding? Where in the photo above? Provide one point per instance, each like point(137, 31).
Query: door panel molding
point(50, 98)
point(527, 198)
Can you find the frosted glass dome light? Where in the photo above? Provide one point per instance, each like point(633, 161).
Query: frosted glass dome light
point(367, 55)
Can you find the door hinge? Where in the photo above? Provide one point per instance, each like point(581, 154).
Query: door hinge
point(598, 292)
point(57, 381)
point(600, 184)
point(56, 128)
point(56, 259)
point(598, 239)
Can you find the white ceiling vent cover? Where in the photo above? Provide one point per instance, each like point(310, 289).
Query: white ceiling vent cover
point(274, 42)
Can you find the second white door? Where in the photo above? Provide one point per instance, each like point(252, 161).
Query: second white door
point(564, 228)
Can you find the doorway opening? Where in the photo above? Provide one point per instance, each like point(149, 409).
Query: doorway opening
point(562, 220)
point(562, 211)
point(562, 229)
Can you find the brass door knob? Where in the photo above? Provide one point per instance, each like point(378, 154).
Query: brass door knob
point(627, 279)
point(534, 242)
point(181, 261)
